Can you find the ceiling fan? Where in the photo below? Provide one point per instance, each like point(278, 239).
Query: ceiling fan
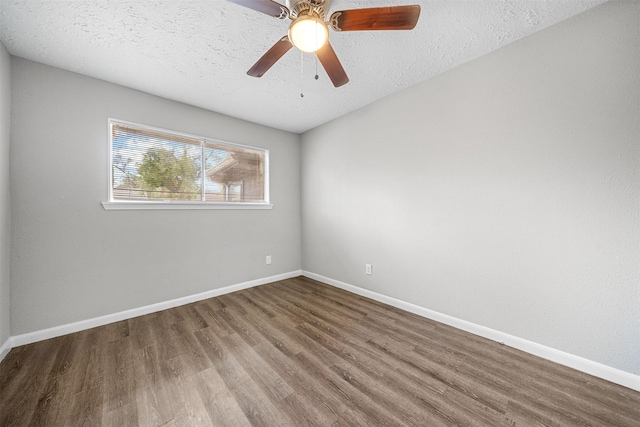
point(309, 31)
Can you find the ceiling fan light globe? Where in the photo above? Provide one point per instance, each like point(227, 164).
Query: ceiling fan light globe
point(308, 33)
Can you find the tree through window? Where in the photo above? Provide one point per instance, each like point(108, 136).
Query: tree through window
point(151, 164)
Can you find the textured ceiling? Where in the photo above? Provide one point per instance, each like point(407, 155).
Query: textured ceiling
point(198, 52)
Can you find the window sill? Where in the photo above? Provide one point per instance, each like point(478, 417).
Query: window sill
point(125, 206)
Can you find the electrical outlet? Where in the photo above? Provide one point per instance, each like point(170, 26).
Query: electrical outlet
point(268, 260)
point(367, 269)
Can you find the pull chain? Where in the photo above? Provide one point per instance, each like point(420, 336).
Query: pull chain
point(316, 77)
point(302, 74)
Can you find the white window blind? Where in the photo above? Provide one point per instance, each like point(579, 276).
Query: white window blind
point(152, 164)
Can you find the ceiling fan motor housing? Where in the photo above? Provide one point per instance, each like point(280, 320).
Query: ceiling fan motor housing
point(316, 8)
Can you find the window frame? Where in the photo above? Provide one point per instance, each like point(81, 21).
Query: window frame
point(113, 204)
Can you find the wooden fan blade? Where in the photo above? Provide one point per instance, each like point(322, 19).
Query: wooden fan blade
point(271, 57)
point(332, 65)
point(378, 18)
point(269, 7)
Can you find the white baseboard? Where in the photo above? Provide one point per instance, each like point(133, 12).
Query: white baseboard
point(5, 348)
point(590, 367)
point(596, 369)
point(57, 331)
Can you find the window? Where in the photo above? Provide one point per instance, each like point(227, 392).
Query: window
point(157, 168)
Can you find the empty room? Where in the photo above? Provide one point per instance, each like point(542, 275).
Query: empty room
point(320, 213)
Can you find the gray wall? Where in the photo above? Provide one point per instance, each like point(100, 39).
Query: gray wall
point(5, 207)
point(503, 192)
point(71, 260)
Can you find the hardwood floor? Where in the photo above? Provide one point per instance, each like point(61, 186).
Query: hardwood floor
point(296, 353)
